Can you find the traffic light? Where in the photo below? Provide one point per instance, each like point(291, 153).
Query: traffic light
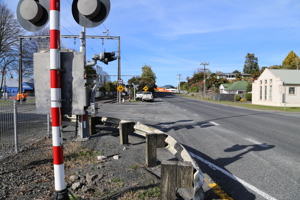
point(90, 13)
point(106, 57)
point(33, 15)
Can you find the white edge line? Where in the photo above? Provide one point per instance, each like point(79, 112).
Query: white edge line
point(214, 123)
point(251, 187)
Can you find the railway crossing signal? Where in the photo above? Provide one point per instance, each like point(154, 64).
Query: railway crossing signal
point(90, 13)
point(33, 15)
point(106, 57)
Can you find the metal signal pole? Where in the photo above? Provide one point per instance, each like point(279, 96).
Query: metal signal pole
point(204, 64)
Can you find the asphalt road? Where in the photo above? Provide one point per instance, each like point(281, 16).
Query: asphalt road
point(250, 154)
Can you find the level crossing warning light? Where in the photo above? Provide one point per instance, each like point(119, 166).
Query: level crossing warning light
point(106, 57)
point(33, 15)
point(90, 13)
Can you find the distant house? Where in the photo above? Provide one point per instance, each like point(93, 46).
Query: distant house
point(277, 87)
point(12, 86)
point(230, 76)
point(223, 88)
point(238, 87)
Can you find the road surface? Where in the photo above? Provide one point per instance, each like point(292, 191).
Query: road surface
point(249, 154)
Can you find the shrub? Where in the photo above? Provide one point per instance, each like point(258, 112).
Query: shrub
point(237, 97)
point(249, 96)
point(194, 88)
point(243, 99)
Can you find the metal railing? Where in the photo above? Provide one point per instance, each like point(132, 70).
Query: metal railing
point(20, 126)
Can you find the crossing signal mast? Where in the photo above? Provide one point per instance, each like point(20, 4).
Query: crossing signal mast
point(33, 15)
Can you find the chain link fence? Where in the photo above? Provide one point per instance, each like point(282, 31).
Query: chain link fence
point(20, 126)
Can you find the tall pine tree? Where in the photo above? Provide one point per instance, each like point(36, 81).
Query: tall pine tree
point(251, 64)
point(291, 61)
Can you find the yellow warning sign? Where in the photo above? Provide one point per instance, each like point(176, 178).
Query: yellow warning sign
point(145, 88)
point(120, 88)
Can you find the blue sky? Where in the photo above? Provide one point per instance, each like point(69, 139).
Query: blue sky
point(174, 37)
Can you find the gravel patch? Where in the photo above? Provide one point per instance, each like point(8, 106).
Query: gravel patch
point(122, 170)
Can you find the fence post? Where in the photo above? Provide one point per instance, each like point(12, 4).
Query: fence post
point(168, 180)
point(175, 174)
point(124, 129)
point(151, 145)
point(16, 127)
point(48, 124)
point(94, 120)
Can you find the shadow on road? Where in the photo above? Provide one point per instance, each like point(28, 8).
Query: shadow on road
point(216, 169)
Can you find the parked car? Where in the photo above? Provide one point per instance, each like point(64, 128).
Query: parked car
point(147, 96)
point(138, 95)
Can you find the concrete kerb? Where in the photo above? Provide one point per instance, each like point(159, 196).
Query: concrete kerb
point(173, 146)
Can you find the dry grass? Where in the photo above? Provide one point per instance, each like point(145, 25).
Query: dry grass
point(75, 155)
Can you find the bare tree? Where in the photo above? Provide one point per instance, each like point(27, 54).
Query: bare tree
point(10, 30)
point(29, 47)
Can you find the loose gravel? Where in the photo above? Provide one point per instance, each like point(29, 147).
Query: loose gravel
point(29, 174)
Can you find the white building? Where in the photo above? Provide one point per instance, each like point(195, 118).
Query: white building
point(277, 87)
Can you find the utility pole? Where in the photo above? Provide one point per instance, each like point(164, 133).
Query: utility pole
point(204, 69)
point(178, 87)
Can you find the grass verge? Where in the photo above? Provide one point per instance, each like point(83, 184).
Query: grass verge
point(248, 105)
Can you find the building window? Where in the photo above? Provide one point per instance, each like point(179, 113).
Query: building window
point(265, 92)
point(260, 81)
point(270, 93)
point(291, 90)
point(260, 93)
point(270, 81)
point(266, 81)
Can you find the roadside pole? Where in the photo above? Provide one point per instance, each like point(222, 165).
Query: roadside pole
point(55, 87)
point(83, 131)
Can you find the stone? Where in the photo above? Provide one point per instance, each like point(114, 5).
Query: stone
point(73, 178)
point(76, 186)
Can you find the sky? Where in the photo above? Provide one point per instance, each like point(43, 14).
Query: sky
point(174, 37)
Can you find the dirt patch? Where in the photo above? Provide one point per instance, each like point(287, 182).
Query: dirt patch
point(121, 175)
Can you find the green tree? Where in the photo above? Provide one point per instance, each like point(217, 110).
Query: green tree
point(148, 73)
point(291, 61)
point(183, 85)
point(238, 77)
point(251, 64)
point(249, 87)
point(111, 86)
point(148, 78)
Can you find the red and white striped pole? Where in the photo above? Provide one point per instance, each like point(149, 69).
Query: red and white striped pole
point(55, 87)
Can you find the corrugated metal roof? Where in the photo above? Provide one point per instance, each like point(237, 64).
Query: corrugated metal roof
point(225, 85)
point(239, 85)
point(288, 76)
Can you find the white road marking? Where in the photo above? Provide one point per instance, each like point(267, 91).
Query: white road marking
point(214, 123)
point(205, 105)
point(196, 115)
point(244, 183)
point(257, 143)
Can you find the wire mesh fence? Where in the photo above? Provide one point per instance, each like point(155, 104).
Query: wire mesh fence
point(20, 126)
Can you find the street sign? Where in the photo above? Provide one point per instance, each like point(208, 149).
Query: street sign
point(145, 88)
point(120, 81)
point(120, 88)
point(135, 86)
